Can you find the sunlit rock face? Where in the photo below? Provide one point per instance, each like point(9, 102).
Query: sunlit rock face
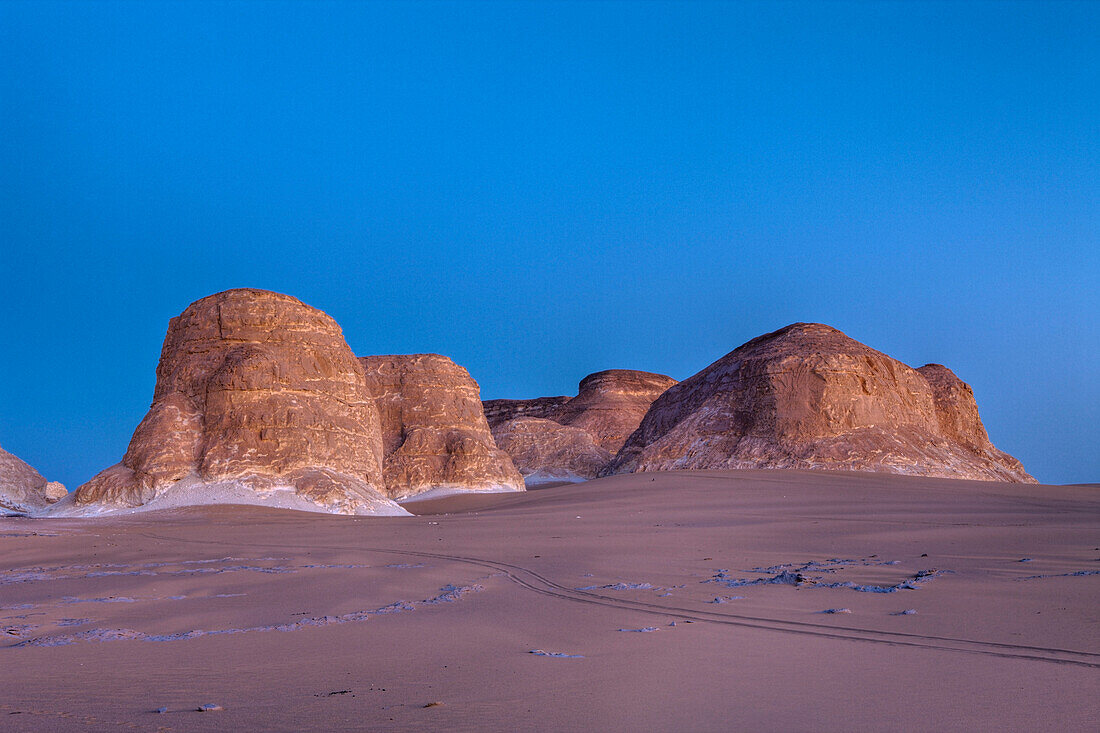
point(434, 433)
point(255, 391)
point(807, 396)
point(573, 438)
point(22, 489)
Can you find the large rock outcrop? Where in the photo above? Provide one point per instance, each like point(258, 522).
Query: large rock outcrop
point(573, 438)
point(258, 398)
point(807, 396)
point(434, 433)
point(549, 452)
point(611, 404)
point(22, 489)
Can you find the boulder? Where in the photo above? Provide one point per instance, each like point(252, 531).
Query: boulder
point(807, 396)
point(55, 492)
point(258, 398)
point(434, 433)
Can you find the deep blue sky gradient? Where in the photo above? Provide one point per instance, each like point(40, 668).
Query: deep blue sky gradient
point(541, 191)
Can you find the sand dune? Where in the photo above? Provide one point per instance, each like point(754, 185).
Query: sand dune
point(704, 600)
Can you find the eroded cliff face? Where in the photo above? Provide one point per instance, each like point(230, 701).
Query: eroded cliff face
point(808, 396)
point(957, 412)
point(608, 407)
point(22, 489)
point(434, 433)
point(255, 391)
point(956, 409)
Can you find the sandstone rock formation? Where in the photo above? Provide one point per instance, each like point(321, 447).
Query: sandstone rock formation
point(807, 396)
point(547, 451)
point(22, 489)
point(434, 433)
point(257, 396)
point(55, 492)
point(611, 404)
point(608, 406)
point(956, 410)
point(499, 411)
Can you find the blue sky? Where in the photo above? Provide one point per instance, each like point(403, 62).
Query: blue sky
point(541, 191)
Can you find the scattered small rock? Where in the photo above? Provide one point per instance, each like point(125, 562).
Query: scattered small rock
point(433, 704)
point(562, 655)
point(726, 599)
point(906, 612)
point(161, 711)
point(837, 610)
point(210, 708)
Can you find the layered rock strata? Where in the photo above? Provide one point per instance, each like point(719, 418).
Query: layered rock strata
point(807, 396)
point(258, 397)
point(499, 411)
point(610, 404)
point(434, 433)
point(22, 489)
point(573, 438)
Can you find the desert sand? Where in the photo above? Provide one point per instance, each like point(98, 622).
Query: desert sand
point(633, 602)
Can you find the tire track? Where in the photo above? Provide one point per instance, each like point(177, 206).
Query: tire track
point(537, 583)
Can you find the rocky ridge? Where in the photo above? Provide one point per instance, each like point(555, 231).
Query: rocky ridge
point(260, 400)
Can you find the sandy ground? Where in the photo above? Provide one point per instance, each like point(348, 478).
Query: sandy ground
point(292, 621)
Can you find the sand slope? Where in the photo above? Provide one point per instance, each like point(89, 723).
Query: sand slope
point(294, 621)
